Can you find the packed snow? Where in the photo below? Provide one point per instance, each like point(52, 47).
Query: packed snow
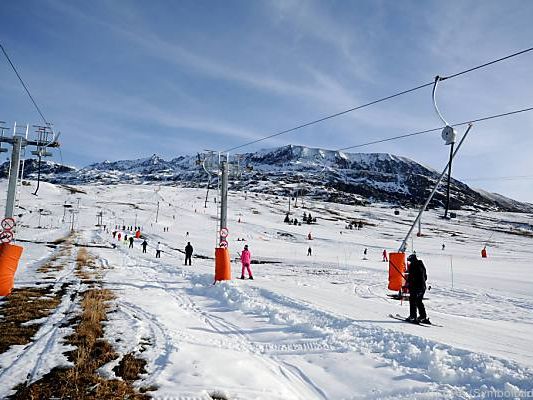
point(306, 327)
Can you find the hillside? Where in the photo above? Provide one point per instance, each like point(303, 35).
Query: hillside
point(348, 178)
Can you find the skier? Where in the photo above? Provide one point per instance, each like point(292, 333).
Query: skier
point(131, 242)
point(158, 250)
point(114, 234)
point(385, 255)
point(309, 237)
point(365, 253)
point(188, 253)
point(118, 236)
point(416, 282)
point(443, 246)
point(309, 251)
point(144, 244)
point(246, 258)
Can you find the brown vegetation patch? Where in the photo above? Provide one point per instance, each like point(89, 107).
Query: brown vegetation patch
point(92, 352)
point(22, 306)
point(53, 263)
point(85, 262)
point(130, 368)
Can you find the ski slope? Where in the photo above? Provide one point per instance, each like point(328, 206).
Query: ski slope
point(306, 327)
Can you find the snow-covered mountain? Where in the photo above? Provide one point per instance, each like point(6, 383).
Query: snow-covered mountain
point(350, 178)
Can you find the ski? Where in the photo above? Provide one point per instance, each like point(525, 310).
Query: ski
point(402, 318)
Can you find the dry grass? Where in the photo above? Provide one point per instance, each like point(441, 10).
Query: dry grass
point(21, 306)
point(84, 261)
point(53, 264)
point(92, 352)
point(130, 368)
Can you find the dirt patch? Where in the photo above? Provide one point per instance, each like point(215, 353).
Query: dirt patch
point(86, 267)
point(130, 368)
point(92, 352)
point(21, 307)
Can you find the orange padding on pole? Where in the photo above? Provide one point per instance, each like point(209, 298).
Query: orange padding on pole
point(222, 264)
point(396, 271)
point(9, 261)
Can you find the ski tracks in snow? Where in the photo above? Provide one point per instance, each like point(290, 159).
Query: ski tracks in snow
point(446, 370)
point(33, 360)
point(455, 370)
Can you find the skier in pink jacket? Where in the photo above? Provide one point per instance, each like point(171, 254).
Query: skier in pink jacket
point(246, 257)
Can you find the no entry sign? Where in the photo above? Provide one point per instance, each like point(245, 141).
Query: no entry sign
point(8, 223)
point(6, 236)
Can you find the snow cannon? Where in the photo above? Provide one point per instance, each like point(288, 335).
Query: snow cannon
point(138, 234)
point(222, 264)
point(9, 261)
point(397, 268)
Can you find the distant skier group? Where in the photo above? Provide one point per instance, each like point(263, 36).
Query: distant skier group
point(130, 239)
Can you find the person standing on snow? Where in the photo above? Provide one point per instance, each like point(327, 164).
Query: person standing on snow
point(144, 244)
point(158, 250)
point(246, 258)
point(309, 251)
point(188, 253)
point(416, 282)
point(385, 255)
point(131, 242)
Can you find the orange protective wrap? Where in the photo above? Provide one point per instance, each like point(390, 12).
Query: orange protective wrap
point(397, 268)
point(9, 261)
point(222, 264)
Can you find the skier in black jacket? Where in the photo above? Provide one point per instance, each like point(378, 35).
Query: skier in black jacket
point(188, 253)
point(416, 282)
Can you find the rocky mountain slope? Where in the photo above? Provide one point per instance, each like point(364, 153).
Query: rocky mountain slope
point(351, 178)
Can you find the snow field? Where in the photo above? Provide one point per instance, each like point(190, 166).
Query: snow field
point(306, 327)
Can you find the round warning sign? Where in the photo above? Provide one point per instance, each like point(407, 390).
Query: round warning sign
point(6, 236)
point(8, 223)
point(224, 243)
point(224, 232)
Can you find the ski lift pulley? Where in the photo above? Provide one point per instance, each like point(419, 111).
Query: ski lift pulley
point(449, 135)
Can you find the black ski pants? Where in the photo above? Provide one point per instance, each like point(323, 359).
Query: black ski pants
point(415, 302)
point(188, 257)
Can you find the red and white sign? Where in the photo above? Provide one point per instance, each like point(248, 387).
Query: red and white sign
point(8, 223)
point(224, 243)
point(6, 236)
point(224, 232)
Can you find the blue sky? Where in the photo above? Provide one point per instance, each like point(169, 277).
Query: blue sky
point(126, 79)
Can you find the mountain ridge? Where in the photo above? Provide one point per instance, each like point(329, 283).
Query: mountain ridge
point(350, 178)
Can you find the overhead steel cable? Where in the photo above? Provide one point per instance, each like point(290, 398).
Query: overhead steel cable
point(330, 116)
point(316, 121)
point(47, 124)
point(436, 129)
point(24, 85)
point(442, 78)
